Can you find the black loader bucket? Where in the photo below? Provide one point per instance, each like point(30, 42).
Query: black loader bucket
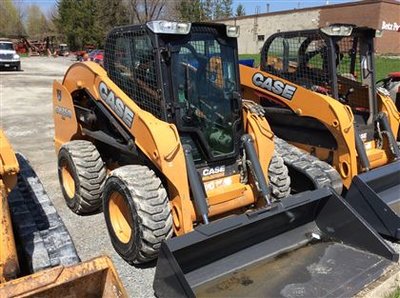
point(312, 245)
point(376, 196)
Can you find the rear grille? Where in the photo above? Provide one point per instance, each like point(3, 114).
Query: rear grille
point(6, 56)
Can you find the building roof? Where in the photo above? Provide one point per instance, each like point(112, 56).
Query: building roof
point(356, 3)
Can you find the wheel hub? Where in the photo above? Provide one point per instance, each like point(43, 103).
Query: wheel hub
point(120, 217)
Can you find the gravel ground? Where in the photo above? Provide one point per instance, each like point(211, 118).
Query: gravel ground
point(26, 117)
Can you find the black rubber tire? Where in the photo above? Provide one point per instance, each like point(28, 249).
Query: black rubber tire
point(18, 67)
point(279, 179)
point(42, 239)
point(88, 172)
point(149, 212)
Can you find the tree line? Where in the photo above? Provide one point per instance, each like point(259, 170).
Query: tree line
point(86, 22)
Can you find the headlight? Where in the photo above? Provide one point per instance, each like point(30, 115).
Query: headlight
point(378, 33)
point(232, 31)
point(167, 27)
point(338, 30)
point(16, 57)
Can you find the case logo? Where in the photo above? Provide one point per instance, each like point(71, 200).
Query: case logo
point(63, 112)
point(213, 171)
point(279, 88)
point(116, 104)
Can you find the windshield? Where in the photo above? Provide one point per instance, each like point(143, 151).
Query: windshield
point(204, 78)
point(6, 46)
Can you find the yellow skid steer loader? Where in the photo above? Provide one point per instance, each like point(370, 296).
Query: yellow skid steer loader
point(318, 91)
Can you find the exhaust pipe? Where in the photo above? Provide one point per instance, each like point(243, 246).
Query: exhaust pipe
point(299, 247)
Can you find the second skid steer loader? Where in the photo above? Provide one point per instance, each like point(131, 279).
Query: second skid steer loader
point(318, 91)
point(163, 141)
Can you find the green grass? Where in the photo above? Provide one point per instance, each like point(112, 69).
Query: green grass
point(395, 294)
point(383, 66)
point(256, 58)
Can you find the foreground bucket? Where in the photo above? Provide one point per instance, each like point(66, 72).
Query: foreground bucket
point(313, 244)
point(94, 278)
point(376, 196)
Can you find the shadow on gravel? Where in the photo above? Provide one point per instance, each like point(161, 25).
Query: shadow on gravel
point(147, 265)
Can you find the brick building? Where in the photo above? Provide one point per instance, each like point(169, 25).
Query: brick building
point(378, 14)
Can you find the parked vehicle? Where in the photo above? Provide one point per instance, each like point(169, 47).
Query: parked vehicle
point(63, 50)
point(8, 56)
point(86, 50)
point(97, 56)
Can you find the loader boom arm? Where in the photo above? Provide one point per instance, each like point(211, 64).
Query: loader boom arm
point(338, 118)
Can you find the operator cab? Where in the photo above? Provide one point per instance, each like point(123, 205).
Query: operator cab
point(337, 60)
point(186, 74)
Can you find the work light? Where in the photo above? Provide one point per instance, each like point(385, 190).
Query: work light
point(167, 27)
point(232, 31)
point(337, 30)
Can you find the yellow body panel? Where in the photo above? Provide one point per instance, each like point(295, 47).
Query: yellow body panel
point(386, 105)
point(9, 168)
point(159, 141)
point(338, 118)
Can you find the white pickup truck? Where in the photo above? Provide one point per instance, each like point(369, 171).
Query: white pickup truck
point(8, 56)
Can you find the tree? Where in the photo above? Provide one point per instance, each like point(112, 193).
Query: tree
point(112, 13)
point(226, 6)
point(84, 22)
point(208, 9)
point(240, 11)
point(36, 22)
point(191, 10)
point(78, 21)
point(204, 10)
point(142, 11)
point(10, 19)
point(218, 10)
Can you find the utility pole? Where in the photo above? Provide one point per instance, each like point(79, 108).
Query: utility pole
point(255, 27)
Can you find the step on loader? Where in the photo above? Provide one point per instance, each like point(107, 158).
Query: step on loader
point(161, 140)
point(318, 91)
point(37, 255)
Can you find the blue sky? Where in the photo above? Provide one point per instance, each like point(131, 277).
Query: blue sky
point(250, 5)
point(275, 5)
